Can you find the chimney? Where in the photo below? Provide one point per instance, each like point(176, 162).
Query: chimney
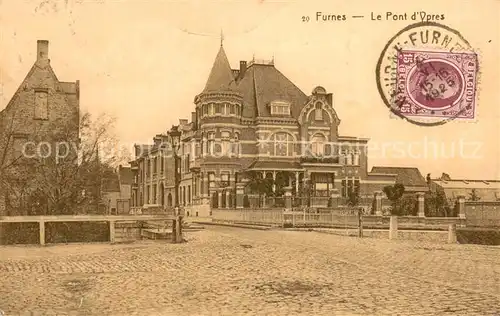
point(157, 140)
point(329, 99)
point(193, 118)
point(42, 50)
point(243, 69)
point(137, 149)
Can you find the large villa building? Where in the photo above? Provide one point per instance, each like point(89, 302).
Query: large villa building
point(247, 124)
point(254, 122)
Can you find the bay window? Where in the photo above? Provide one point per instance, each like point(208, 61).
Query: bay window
point(282, 144)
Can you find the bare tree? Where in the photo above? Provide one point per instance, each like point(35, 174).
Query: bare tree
point(61, 170)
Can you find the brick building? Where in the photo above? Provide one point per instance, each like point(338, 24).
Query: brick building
point(41, 107)
point(255, 121)
point(116, 191)
point(153, 175)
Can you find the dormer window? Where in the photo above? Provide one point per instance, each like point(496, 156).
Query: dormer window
point(280, 108)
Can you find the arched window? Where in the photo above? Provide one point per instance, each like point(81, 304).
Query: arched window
point(236, 144)
point(356, 158)
point(318, 111)
point(282, 144)
point(318, 145)
point(225, 137)
point(349, 158)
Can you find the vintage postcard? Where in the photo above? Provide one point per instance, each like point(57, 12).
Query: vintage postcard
point(249, 157)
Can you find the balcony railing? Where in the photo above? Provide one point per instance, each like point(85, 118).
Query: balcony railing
point(319, 160)
point(194, 164)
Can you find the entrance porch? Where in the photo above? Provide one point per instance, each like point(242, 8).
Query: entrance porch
point(267, 181)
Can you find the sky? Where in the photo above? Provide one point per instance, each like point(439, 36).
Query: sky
point(144, 62)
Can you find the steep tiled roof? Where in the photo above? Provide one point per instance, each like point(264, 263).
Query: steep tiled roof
point(221, 76)
point(409, 177)
point(263, 84)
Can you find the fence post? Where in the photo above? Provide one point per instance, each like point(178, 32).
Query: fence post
point(42, 232)
point(112, 231)
point(461, 206)
point(178, 230)
point(174, 231)
point(393, 228)
point(452, 233)
point(360, 223)
point(421, 204)
point(378, 203)
point(240, 195)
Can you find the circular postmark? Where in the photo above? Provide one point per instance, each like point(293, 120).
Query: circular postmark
point(427, 74)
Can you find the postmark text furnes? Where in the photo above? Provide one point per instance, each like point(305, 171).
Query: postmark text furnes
point(421, 16)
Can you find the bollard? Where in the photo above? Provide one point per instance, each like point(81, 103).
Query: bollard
point(393, 228)
point(360, 224)
point(42, 232)
point(174, 230)
point(452, 233)
point(112, 231)
point(179, 229)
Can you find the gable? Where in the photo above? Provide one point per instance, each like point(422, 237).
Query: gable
point(62, 99)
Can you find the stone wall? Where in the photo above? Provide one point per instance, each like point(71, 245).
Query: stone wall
point(128, 231)
point(418, 235)
point(200, 210)
point(482, 214)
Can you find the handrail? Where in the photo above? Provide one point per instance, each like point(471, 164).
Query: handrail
point(81, 218)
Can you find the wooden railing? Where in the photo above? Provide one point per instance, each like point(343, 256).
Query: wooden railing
point(111, 219)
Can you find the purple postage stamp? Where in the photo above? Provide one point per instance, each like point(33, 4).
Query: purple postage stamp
point(436, 84)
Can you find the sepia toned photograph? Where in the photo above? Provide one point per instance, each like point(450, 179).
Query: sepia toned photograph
point(250, 157)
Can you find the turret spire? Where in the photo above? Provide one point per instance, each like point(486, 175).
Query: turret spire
point(221, 77)
point(221, 37)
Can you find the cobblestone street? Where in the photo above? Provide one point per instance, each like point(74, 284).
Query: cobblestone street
point(230, 271)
